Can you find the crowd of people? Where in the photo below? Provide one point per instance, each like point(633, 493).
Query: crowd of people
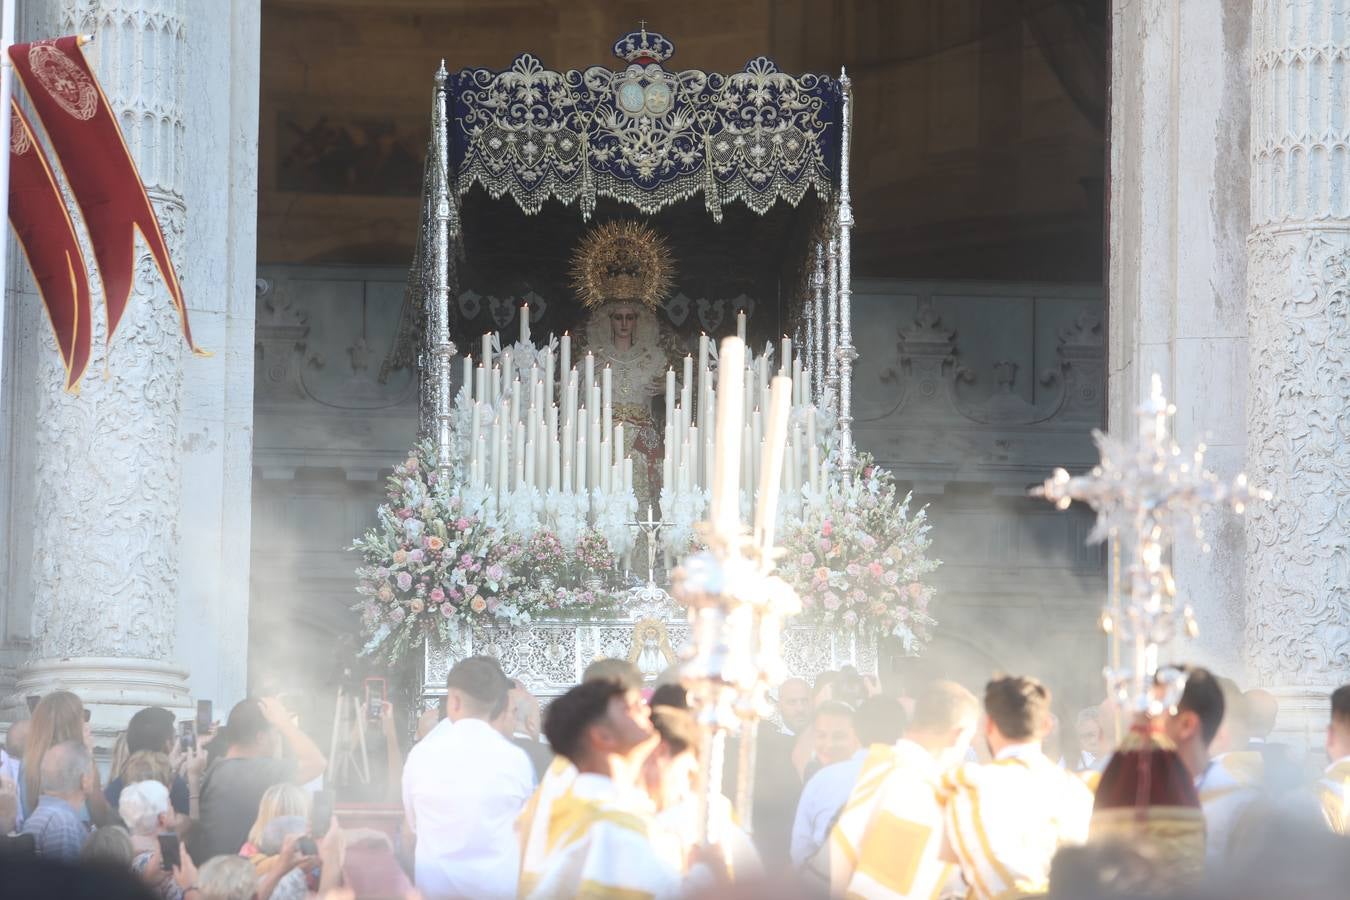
point(861, 790)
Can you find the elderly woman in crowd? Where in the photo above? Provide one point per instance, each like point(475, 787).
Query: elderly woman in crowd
point(145, 807)
point(59, 717)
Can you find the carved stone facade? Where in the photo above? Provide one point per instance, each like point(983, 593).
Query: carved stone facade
point(1298, 392)
point(122, 578)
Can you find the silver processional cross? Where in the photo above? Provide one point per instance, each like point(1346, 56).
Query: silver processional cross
point(1139, 492)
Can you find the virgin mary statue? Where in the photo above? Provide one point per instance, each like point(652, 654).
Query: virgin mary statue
point(622, 273)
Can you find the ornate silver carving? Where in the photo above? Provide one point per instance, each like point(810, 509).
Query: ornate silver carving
point(550, 655)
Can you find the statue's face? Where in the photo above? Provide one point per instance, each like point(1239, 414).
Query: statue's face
point(623, 322)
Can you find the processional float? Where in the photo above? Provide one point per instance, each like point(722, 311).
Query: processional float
point(532, 185)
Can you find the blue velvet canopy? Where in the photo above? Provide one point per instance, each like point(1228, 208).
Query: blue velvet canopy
point(645, 136)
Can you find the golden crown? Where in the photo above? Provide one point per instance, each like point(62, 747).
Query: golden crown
point(623, 260)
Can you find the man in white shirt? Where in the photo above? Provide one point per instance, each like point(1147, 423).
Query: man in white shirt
point(463, 786)
point(878, 720)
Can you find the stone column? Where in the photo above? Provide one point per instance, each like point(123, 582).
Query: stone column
point(1298, 392)
point(139, 565)
point(1177, 279)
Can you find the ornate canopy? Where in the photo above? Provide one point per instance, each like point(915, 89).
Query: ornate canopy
point(755, 144)
point(645, 135)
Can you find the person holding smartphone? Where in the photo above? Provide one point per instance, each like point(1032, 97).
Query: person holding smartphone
point(252, 762)
point(160, 859)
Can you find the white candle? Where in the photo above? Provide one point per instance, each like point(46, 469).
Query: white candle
point(726, 518)
point(514, 408)
point(569, 436)
point(565, 351)
point(518, 456)
point(554, 468)
point(618, 443)
point(572, 382)
point(813, 465)
point(525, 323)
point(605, 467)
point(499, 457)
point(474, 432)
point(466, 377)
point(702, 360)
point(582, 454)
point(527, 450)
point(785, 363)
point(486, 357)
point(689, 371)
point(607, 387)
point(548, 374)
point(670, 395)
point(798, 383)
point(810, 426)
point(588, 372)
point(667, 462)
point(740, 326)
point(794, 465)
point(593, 463)
point(495, 386)
point(508, 367)
point(481, 385)
point(692, 455)
point(771, 461)
point(480, 460)
point(628, 475)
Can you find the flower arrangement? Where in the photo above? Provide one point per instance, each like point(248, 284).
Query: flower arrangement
point(857, 557)
point(433, 559)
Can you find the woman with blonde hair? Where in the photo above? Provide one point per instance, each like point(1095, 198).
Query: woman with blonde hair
point(279, 800)
point(59, 717)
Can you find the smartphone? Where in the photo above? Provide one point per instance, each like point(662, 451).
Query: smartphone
point(203, 716)
point(33, 701)
point(169, 858)
point(320, 813)
point(187, 736)
point(375, 696)
point(87, 714)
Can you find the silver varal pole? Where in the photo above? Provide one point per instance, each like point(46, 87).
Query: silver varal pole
point(443, 350)
point(845, 349)
point(818, 323)
point(832, 325)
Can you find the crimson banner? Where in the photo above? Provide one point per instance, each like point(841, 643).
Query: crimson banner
point(40, 220)
point(93, 156)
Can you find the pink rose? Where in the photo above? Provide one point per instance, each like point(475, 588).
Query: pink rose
point(915, 590)
point(827, 528)
point(433, 543)
point(875, 568)
point(400, 557)
point(416, 605)
point(404, 581)
point(437, 595)
point(831, 601)
point(447, 610)
point(478, 604)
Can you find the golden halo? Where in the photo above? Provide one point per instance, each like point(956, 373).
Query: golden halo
point(623, 260)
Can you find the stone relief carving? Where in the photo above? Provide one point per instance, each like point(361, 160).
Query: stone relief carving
point(291, 369)
point(105, 584)
point(930, 376)
point(1298, 553)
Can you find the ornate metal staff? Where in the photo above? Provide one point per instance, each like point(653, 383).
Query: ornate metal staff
point(1140, 492)
point(736, 608)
